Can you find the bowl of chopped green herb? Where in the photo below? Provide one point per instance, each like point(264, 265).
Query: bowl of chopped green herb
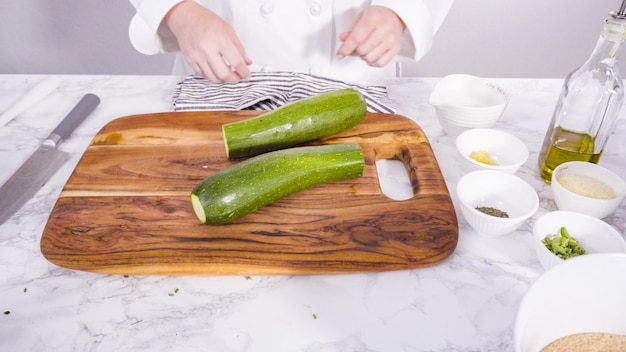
point(495, 203)
point(561, 235)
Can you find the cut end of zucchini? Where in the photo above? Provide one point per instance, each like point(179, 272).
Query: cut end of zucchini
point(198, 209)
point(226, 143)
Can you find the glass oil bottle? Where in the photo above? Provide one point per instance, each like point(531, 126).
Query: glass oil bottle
point(589, 104)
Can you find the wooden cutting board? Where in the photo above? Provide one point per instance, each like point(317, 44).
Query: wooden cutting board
point(126, 208)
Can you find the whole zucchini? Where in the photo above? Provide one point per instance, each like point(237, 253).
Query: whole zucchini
point(246, 186)
point(294, 123)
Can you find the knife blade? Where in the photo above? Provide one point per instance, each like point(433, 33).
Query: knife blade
point(44, 162)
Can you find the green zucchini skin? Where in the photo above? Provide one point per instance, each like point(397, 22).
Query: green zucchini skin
point(248, 185)
point(295, 123)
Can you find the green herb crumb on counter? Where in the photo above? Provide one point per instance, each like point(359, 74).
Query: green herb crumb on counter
point(563, 245)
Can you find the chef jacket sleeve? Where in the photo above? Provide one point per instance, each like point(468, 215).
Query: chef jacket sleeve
point(146, 32)
point(422, 19)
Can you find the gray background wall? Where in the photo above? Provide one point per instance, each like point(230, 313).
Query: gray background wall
point(490, 38)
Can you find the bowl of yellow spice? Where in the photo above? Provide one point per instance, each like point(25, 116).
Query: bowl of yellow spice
point(587, 188)
point(491, 149)
point(495, 203)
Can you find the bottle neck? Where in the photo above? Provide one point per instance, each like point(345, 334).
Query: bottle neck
point(610, 44)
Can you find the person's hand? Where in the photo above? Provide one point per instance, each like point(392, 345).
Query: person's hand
point(374, 36)
point(209, 44)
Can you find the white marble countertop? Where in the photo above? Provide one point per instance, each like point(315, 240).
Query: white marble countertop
point(468, 302)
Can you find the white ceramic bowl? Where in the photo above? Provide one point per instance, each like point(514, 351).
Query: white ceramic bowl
point(584, 294)
point(499, 190)
point(508, 151)
point(593, 234)
point(568, 200)
point(464, 101)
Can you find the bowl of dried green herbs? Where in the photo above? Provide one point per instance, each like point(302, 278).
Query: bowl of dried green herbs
point(495, 203)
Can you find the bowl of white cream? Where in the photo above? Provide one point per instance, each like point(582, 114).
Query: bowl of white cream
point(464, 102)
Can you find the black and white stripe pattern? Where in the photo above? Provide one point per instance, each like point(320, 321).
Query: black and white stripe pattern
point(267, 91)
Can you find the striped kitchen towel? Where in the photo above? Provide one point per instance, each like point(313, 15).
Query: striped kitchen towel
point(267, 91)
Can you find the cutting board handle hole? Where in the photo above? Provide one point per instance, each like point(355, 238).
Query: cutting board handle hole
point(393, 179)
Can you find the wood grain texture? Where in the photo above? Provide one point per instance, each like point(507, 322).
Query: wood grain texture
point(126, 209)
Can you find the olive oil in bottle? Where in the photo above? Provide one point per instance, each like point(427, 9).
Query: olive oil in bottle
point(567, 146)
point(589, 104)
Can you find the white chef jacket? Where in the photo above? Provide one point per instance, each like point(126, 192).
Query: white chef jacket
point(295, 35)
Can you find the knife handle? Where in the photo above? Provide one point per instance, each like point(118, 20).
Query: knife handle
point(78, 114)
